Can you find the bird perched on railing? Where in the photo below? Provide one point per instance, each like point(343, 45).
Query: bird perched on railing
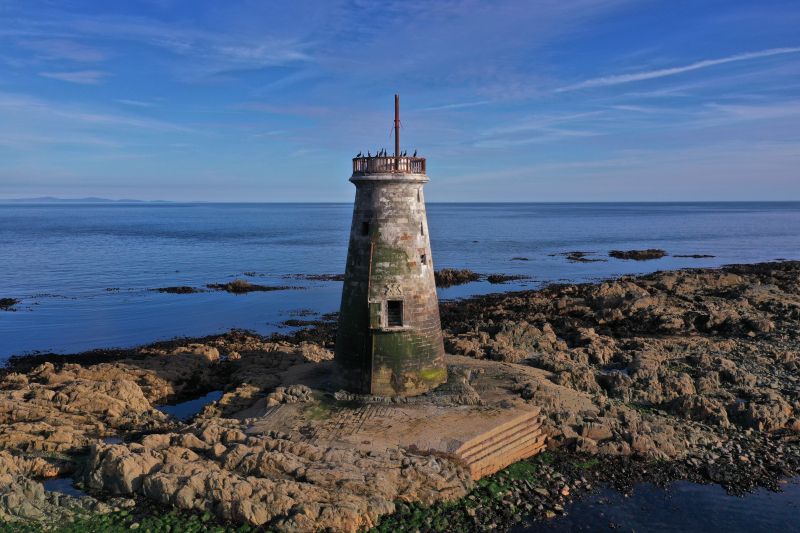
point(415, 154)
point(359, 154)
point(369, 154)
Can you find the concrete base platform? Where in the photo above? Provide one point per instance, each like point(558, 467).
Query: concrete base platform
point(486, 438)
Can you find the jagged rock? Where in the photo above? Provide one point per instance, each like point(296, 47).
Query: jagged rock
point(769, 414)
point(596, 431)
point(701, 409)
point(234, 401)
point(24, 499)
point(64, 410)
point(294, 486)
point(210, 353)
point(515, 341)
point(579, 378)
point(314, 353)
point(616, 383)
point(708, 383)
point(291, 394)
point(599, 348)
point(644, 366)
point(660, 365)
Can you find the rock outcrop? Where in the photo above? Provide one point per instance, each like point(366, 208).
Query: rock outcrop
point(697, 367)
point(666, 358)
point(269, 480)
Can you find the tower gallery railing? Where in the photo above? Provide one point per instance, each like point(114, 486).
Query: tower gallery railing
point(387, 164)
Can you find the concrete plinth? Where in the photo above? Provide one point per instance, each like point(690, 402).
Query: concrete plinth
point(469, 419)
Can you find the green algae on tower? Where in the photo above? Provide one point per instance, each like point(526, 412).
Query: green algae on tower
point(389, 341)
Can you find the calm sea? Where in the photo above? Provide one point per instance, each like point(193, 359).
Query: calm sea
point(85, 272)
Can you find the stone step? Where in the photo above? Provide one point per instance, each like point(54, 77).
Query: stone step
point(498, 431)
point(514, 441)
point(498, 449)
point(496, 439)
point(494, 450)
point(491, 464)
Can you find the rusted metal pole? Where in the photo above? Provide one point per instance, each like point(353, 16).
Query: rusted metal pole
point(397, 131)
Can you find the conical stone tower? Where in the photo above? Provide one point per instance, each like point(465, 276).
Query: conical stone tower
point(389, 341)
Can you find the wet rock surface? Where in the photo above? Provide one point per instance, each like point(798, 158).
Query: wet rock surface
point(317, 277)
point(7, 304)
point(638, 255)
point(241, 286)
point(504, 278)
point(674, 375)
point(450, 277)
point(181, 289)
point(581, 257)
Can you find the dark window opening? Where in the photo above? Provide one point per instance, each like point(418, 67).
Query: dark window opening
point(394, 313)
point(419, 195)
point(365, 228)
point(423, 259)
point(421, 229)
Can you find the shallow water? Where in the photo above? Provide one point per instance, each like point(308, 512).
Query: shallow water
point(683, 506)
point(186, 410)
point(62, 485)
point(61, 260)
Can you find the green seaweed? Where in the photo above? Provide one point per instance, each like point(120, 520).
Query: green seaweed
point(588, 464)
point(434, 375)
point(457, 515)
point(126, 521)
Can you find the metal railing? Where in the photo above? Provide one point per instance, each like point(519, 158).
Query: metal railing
point(384, 164)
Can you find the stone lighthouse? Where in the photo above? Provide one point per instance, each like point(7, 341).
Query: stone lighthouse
point(389, 341)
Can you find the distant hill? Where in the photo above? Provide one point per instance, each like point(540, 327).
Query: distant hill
point(87, 200)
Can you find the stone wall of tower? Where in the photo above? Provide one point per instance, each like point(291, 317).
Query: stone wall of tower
point(389, 259)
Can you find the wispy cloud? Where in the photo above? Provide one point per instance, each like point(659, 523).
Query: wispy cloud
point(63, 49)
point(292, 110)
point(776, 110)
point(456, 106)
point(86, 77)
point(543, 135)
point(619, 79)
point(18, 140)
point(211, 52)
point(544, 121)
point(540, 129)
point(33, 110)
point(134, 103)
point(636, 108)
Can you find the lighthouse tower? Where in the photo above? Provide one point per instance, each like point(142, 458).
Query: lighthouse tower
point(389, 341)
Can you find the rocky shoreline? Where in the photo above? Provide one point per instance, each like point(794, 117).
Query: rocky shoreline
point(692, 374)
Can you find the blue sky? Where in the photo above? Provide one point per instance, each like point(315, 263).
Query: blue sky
point(572, 100)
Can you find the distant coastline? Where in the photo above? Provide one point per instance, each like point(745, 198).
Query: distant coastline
point(87, 200)
point(97, 200)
